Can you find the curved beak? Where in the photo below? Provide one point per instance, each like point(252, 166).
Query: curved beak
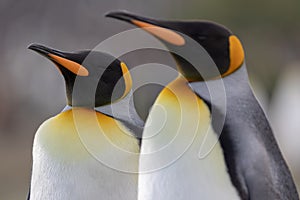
point(46, 51)
point(155, 27)
point(61, 59)
point(131, 18)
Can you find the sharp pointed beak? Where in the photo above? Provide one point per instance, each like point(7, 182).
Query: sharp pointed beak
point(60, 59)
point(46, 51)
point(129, 17)
point(154, 27)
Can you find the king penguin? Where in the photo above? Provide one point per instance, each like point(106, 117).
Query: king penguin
point(246, 162)
point(82, 153)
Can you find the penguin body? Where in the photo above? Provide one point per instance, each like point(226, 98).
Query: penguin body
point(74, 152)
point(246, 148)
point(187, 176)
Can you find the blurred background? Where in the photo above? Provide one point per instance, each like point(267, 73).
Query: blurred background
point(31, 89)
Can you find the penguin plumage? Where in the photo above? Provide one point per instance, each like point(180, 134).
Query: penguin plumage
point(249, 150)
point(76, 154)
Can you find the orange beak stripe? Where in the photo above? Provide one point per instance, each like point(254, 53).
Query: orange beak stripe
point(72, 66)
point(165, 34)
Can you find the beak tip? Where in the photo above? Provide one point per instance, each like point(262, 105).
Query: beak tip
point(108, 14)
point(43, 50)
point(115, 13)
point(35, 47)
point(31, 46)
point(123, 15)
point(129, 17)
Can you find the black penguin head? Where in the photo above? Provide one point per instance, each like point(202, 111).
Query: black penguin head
point(223, 47)
point(92, 78)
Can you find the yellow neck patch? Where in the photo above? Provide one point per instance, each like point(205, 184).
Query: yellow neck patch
point(165, 34)
point(70, 65)
point(236, 55)
point(127, 79)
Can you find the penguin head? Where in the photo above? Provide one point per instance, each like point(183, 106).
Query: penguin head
point(92, 78)
point(221, 44)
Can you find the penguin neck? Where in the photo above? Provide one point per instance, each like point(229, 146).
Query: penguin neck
point(237, 84)
point(69, 107)
point(123, 111)
point(234, 86)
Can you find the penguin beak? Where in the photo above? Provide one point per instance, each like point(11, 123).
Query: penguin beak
point(154, 27)
point(45, 51)
point(60, 59)
point(129, 17)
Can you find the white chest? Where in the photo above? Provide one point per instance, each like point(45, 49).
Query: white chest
point(64, 169)
point(85, 179)
point(178, 125)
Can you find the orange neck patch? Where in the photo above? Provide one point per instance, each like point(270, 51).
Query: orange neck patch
point(72, 66)
point(165, 34)
point(236, 53)
point(127, 79)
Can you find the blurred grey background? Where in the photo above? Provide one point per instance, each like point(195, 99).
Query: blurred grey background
point(31, 89)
